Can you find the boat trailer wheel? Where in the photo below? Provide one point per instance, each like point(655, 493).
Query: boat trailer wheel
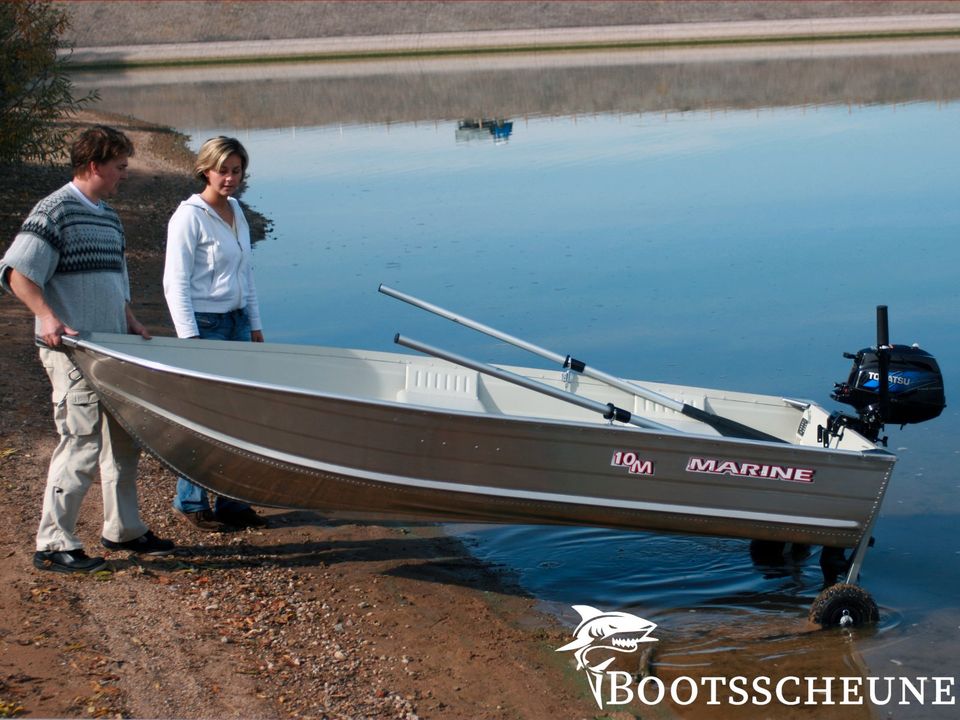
point(844, 605)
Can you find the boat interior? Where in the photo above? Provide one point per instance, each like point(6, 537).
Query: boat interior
point(435, 384)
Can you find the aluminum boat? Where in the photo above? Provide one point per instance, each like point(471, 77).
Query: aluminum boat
point(375, 433)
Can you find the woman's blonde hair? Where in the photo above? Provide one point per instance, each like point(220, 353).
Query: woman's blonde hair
point(215, 151)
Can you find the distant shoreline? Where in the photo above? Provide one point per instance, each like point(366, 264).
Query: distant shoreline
point(512, 41)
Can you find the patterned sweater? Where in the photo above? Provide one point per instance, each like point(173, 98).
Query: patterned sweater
point(74, 251)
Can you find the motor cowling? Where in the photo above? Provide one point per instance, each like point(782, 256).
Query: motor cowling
point(914, 388)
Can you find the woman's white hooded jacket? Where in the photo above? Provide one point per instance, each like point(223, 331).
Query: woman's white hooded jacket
point(208, 265)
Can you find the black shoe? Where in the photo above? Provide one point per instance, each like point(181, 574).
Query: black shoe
point(247, 517)
point(146, 544)
point(204, 520)
point(67, 561)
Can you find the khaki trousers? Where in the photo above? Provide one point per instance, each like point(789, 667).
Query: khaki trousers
point(89, 439)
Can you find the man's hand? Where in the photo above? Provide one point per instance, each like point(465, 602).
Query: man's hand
point(51, 330)
point(31, 295)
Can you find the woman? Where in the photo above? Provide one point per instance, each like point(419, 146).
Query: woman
point(208, 284)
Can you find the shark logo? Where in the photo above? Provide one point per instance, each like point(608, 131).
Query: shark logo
point(611, 632)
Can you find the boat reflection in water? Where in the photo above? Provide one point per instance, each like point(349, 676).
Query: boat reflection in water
point(471, 129)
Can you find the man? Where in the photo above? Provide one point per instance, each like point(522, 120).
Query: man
point(67, 265)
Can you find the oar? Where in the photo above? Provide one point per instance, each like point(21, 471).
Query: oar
point(608, 410)
point(725, 426)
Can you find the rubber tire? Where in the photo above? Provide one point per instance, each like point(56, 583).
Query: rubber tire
point(830, 605)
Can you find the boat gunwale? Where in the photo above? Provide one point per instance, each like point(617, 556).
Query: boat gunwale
point(83, 342)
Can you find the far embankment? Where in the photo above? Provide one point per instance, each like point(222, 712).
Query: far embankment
point(497, 42)
point(718, 78)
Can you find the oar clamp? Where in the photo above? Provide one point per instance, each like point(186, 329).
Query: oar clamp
point(615, 413)
point(574, 364)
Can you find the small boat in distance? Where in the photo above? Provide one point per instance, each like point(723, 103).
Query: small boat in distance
point(383, 434)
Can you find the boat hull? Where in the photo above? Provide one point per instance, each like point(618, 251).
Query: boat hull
point(276, 445)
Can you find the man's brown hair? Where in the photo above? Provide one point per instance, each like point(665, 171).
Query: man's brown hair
point(98, 144)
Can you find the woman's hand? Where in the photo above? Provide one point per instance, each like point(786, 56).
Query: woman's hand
point(135, 327)
point(256, 336)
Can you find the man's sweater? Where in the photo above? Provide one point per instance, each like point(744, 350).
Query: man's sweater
point(74, 251)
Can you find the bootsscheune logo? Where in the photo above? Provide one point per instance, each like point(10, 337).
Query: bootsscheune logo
point(609, 632)
point(601, 635)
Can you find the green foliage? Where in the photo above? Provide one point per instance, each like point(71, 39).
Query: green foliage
point(35, 87)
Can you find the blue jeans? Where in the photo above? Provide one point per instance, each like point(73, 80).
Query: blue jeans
point(233, 325)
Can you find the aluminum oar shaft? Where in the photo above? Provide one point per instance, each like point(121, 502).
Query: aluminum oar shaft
point(564, 360)
point(721, 424)
point(473, 324)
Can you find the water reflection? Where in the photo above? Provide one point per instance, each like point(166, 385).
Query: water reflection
point(498, 130)
point(423, 90)
point(752, 650)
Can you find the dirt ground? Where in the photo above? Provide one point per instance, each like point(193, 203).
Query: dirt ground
point(309, 617)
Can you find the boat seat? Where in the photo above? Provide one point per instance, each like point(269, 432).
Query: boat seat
point(450, 388)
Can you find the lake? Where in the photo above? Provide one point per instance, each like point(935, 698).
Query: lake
point(726, 217)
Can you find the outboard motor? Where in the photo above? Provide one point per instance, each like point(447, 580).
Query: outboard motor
point(896, 384)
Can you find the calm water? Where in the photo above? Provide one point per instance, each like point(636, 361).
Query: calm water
point(666, 235)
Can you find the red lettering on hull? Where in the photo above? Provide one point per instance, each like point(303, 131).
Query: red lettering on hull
point(635, 465)
point(712, 466)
